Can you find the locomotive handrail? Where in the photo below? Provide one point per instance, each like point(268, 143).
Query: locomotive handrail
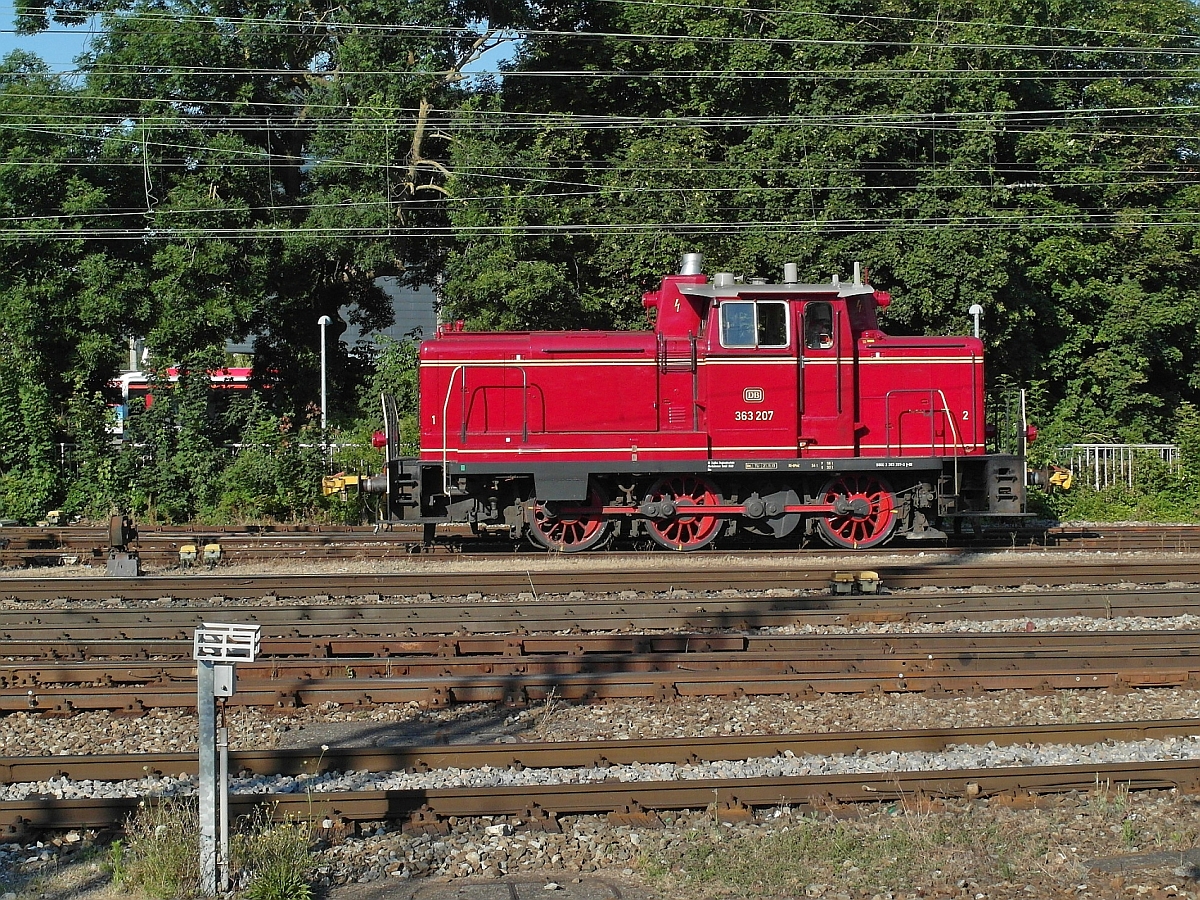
point(664, 359)
point(593, 349)
point(445, 448)
point(956, 443)
point(463, 390)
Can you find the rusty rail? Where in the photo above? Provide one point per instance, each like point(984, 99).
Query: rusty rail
point(21, 546)
point(738, 575)
point(88, 624)
point(650, 666)
point(577, 754)
point(376, 656)
point(540, 805)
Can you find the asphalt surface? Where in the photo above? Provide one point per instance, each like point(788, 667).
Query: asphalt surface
point(546, 886)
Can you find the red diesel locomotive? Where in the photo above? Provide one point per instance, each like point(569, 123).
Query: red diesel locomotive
point(750, 406)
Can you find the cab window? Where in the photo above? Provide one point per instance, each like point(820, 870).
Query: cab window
point(818, 326)
point(737, 324)
point(754, 324)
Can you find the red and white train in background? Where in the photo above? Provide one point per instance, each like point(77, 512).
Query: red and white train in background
point(750, 406)
point(134, 386)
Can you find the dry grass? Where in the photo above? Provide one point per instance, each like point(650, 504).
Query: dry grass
point(955, 849)
point(916, 849)
point(897, 851)
point(158, 858)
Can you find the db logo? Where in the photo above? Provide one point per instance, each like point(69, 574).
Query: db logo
point(753, 395)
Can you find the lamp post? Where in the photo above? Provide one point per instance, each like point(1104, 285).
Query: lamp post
point(323, 321)
point(976, 311)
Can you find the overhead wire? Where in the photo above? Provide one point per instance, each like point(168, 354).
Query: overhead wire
point(856, 17)
point(457, 119)
point(466, 32)
point(1051, 75)
point(1110, 220)
point(603, 190)
point(510, 173)
point(893, 19)
point(1013, 120)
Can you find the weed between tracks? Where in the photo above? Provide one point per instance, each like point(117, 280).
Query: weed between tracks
point(276, 858)
point(895, 851)
point(1047, 847)
point(160, 856)
point(904, 850)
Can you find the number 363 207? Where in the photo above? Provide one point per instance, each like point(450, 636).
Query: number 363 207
point(754, 415)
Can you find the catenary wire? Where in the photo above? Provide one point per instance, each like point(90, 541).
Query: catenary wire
point(330, 29)
point(600, 191)
point(1111, 221)
point(855, 17)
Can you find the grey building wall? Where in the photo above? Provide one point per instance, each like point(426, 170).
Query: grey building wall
point(413, 308)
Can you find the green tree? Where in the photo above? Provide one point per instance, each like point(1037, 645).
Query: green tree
point(176, 449)
point(224, 172)
point(1034, 158)
point(287, 161)
point(276, 474)
point(65, 303)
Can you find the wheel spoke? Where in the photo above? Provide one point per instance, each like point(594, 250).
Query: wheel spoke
point(579, 531)
point(868, 530)
point(689, 528)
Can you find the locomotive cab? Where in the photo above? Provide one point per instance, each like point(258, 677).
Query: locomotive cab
point(805, 370)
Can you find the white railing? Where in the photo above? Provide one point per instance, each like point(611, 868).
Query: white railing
point(1103, 465)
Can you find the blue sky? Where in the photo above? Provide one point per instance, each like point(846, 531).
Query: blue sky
point(58, 47)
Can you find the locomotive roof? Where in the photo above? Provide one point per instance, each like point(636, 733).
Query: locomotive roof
point(726, 291)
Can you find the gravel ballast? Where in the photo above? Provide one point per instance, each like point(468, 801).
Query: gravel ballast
point(1106, 843)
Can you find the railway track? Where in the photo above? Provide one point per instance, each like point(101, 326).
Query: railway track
point(76, 630)
point(162, 546)
point(77, 646)
point(87, 661)
point(736, 574)
point(520, 670)
point(35, 663)
point(372, 652)
point(540, 805)
point(579, 754)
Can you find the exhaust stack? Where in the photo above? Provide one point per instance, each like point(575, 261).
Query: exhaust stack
point(692, 264)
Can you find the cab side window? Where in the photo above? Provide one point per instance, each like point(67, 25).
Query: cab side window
point(737, 324)
point(754, 324)
point(772, 324)
point(818, 326)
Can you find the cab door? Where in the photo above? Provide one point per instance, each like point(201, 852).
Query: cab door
point(826, 383)
point(750, 371)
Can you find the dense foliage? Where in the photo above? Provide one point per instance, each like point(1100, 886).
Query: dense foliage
point(223, 172)
point(990, 153)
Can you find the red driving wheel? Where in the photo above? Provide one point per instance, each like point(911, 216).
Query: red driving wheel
point(570, 527)
point(857, 532)
point(689, 528)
